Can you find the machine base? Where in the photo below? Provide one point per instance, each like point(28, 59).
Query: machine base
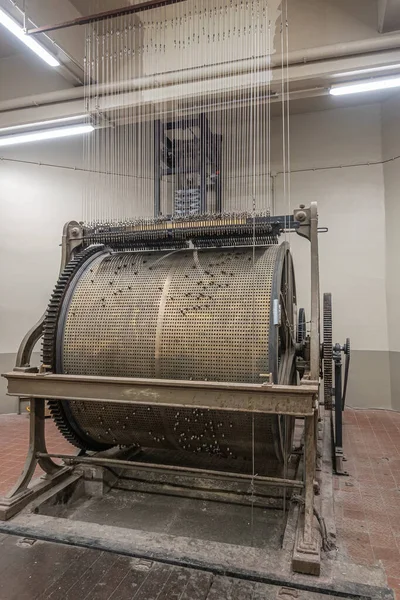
point(148, 518)
point(12, 506)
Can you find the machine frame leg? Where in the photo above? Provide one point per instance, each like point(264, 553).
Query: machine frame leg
point(338, 415)
point(21, 494)
point(307, 550)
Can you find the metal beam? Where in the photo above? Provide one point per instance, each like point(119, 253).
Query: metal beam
point(175, 469)
point(297, 401)
point(116, 12)
point(388, 15)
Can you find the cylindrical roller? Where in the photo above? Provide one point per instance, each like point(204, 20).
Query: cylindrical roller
point(210, 314)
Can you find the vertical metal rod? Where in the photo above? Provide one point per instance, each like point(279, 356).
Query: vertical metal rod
point(157, 167)
point(338, 402)
point(315, 308)
point(309, 466)
point(203, 165)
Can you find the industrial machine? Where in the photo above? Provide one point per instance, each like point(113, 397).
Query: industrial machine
point(175, 359)
point(180, 336)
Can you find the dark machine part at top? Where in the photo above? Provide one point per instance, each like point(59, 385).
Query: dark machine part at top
point(190, 314)
point(190, 152)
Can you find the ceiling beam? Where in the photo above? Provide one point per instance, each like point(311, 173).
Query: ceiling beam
point(306, 80)
point(388, 15)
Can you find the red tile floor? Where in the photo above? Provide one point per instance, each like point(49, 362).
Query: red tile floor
point(367, 503)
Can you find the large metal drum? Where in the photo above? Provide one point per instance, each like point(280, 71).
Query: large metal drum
point(205, 314)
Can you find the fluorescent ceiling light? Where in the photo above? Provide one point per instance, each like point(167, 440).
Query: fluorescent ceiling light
point(365, 86)
point(47, 134)
point(18, 31)
point(40, 123)
point(367, 70)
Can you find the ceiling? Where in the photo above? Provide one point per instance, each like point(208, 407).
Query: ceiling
point(309, 80)
point(9, 45)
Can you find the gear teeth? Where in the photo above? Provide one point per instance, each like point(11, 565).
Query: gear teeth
point(328, 350)
point(49, 347)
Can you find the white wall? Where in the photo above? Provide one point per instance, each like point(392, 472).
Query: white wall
point(391, 149)
point(351, 204)
point(391, 155)
point(35, 201)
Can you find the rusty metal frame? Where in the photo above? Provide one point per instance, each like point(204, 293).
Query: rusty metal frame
point(300, 401)
point(193, 471)
point(308, 228)
point(20, 494)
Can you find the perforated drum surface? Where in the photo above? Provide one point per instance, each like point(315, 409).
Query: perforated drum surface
point(201, 315)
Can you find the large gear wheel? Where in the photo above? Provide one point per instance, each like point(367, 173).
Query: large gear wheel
point(327, 350)
point(58, 408)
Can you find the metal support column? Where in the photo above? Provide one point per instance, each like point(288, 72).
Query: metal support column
point(315, 308)
point(309, 472)
point(307, 551)
point(338, 430)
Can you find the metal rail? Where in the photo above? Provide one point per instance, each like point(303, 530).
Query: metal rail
point(298, 401)
point(129, 464)
point(116, 12)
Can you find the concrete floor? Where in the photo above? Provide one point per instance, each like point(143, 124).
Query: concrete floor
point(201, 519)
point(367, 503)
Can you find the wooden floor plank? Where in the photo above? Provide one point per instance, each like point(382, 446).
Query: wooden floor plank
point(265, 592)
point(110, 581)
point(221, 589)
point(85, 584)
point(154, 583)
point(175, 584)
point(137, 574)
point(26, 570)
point(198, 586)
point(242, 590)
point(60, 589)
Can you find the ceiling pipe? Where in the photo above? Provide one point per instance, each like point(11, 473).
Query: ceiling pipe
point(296, 57)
